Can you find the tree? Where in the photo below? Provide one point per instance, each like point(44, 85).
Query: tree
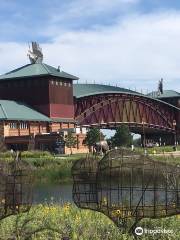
point(70, 140)
point(93, 136)
point(122, 137)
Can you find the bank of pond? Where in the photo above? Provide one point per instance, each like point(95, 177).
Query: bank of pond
point(48, 168)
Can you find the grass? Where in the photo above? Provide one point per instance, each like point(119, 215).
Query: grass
point(51, 221)
point(57, 168)
point(162, 149)
point(54, 169)
point(47, 167)
point(168, 159)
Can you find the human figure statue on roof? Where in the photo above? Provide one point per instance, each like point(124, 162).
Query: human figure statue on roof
point(35, 54)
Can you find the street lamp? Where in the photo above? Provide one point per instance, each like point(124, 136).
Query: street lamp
point(144, 137)
point(174, 127)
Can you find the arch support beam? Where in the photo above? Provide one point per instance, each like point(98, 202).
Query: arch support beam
point(111, 110)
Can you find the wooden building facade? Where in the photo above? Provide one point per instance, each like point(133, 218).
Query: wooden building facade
point(36, 105)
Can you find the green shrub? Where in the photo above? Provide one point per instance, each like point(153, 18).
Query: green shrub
point(35, 154)
point(57, 222)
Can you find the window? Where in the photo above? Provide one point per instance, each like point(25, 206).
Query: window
point(13, 125)
point(52, 82)
point(60, 83)
point(23, 125)
point(56, 83)
point(69, 84)
point(65, 84)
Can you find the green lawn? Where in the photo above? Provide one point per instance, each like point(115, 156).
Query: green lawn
point(162, 149)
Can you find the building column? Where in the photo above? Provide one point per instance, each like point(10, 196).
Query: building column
point(18, 126)
point(39, 127)
point(29, 128)
point(77, 138)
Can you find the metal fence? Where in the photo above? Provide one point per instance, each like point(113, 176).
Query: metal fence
point(15, 187)
point(126, 185)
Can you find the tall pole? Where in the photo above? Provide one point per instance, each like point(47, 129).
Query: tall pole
point(100, 141)
point(144, 137)
point(175, 141)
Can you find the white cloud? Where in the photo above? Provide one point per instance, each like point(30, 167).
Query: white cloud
point(135, 52)
point(85, 8)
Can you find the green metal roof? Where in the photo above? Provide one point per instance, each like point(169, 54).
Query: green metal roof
point(11, 110)
point(37, 69)
point(165, 94)
point(82, 90)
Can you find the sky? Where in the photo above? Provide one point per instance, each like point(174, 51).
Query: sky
point(128, 43)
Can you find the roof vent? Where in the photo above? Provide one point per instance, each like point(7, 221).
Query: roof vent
point(59, 69)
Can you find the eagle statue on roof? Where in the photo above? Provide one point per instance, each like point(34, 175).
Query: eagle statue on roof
point(35, 53)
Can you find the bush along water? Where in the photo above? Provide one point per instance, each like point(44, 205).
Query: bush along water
point(57, 169)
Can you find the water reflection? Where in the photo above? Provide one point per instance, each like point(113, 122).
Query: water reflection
point(58, 193)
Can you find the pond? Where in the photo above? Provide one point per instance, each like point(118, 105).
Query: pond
point(56, 193)
point(61, 193)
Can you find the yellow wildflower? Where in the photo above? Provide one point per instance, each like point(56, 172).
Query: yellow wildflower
point(77, 219)
point(46, 210)
point(104, 201)
point(116, 213)
point(66, 206)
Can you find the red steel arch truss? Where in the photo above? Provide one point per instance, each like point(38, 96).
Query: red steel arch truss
point(109, 110)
